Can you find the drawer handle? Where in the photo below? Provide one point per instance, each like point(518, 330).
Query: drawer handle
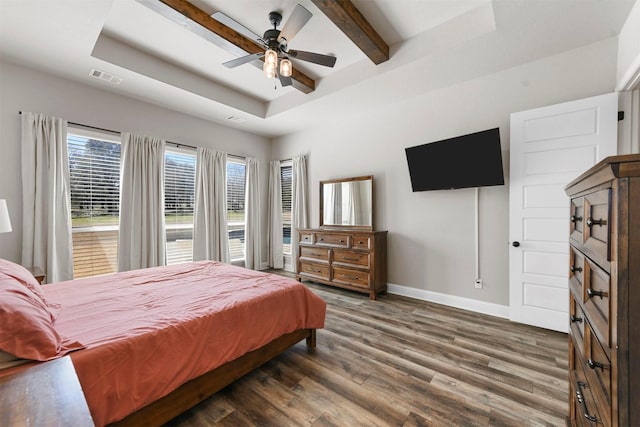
point(350, 277)
point(580, 399)
point(576, 218)
point(350, 259)
point(574, 269)
point(341, 241)
point(361, 243)
point(591, 222)
point(591, 293)
point(595, 365)
point(321, 239)
point(575, 319)
point(315, 254)
point(314, 270)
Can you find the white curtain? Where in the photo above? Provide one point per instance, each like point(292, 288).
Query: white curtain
point(299, 203)
point(142, 239)
point(252, 236)
point(210, 235)
point(46, 206)
point(276, 253)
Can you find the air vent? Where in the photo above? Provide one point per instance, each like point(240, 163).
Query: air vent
point(236, 119)
point(111, 78)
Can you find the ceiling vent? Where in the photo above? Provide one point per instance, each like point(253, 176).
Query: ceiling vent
point(235, 119)
point(111, 78)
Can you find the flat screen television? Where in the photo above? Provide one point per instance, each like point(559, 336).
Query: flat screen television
point(473, 160)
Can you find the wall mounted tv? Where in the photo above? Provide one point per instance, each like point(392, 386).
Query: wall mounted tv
point(473, 160)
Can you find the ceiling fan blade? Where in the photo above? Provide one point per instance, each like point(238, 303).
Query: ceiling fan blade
point(243, 60)
point(235, 25)
point(316, 58)
point(285, 81)
point(296, 21)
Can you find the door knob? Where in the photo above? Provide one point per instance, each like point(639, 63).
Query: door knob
point(515, 244)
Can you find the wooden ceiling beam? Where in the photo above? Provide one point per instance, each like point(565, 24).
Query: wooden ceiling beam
point(346, 16)
point(301, 81)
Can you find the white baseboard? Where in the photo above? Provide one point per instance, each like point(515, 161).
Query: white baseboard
point(450, 300)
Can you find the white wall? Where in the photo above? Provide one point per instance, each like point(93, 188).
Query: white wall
point(23, 89)
point(431, 238)
point(629, 51)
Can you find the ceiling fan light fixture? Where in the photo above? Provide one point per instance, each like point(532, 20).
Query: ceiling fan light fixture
point(286, 68)
point(269, 69)
point(271, 57)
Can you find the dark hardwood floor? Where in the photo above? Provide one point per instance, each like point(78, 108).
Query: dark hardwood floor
point(401, 362)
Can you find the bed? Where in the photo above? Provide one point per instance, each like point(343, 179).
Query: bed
point(149, 344)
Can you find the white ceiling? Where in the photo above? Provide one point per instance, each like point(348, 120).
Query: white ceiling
point(433, 43)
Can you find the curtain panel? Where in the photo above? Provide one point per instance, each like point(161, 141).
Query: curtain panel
point(274, 232)
point(210, 233)
point(142, 240)
point(46, 206)
point(253, 238)
point(299, 203)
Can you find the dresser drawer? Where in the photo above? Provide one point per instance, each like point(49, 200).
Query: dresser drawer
point(361, 242)
point(598, 373)
point(577, 220)
point(597, 290)
point(315, 253)
point(584, 408)
point(350, 276)
point(577, 322)
point(319, 271)
point(333, 239)
point(359, 259)
point(576, 272)
point(306, 238)
point(596, 228)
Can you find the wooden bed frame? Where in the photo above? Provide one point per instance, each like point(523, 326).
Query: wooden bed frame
point(198, 389)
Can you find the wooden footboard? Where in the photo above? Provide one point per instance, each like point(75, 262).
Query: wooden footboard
point(199, 389)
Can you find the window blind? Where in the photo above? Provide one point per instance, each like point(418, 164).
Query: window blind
point(94, 171)
point(285, 188)
point(179, 198)
point(236, 178)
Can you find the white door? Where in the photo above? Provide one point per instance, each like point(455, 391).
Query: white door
point(550, 146)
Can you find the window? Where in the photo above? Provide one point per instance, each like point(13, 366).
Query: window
point(285, 187)
point(179, 198)
point(94, 169)
point(235, 206)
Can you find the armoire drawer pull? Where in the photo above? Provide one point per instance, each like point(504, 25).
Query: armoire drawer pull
point(595, 365)
point(350, 259)
point(591, 293)
point(580, 399)
point(314, 270)
point(591, 222)
point(575, 319)
point(574, 269)
point(350, 277)
point(576, 218)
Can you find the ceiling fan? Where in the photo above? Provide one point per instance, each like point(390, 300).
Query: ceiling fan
point(275, 42)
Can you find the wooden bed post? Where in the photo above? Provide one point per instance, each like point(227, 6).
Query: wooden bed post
point(311, 339)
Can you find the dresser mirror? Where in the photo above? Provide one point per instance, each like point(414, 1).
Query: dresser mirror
point(347, 202)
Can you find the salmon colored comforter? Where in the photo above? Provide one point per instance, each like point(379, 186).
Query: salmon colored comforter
point(148, 331)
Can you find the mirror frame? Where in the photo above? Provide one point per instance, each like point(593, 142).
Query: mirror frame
point(353, 227)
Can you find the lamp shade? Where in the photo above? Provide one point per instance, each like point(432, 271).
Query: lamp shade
point(286, 68)
point(5, 222)
point(269, 70)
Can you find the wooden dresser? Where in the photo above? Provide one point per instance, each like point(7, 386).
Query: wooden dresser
point(604, 335)
point(351, 259)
